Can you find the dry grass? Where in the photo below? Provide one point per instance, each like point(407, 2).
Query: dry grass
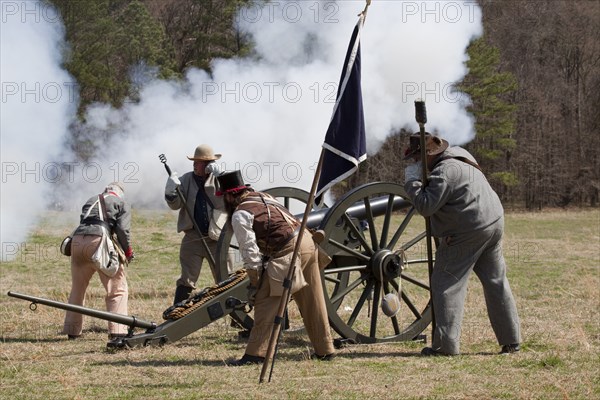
point(554, 270)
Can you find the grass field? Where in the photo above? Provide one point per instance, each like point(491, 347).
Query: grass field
point(554, 270)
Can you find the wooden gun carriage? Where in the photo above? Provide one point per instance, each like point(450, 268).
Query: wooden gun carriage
point(377, 244)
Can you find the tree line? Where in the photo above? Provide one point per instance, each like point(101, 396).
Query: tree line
point(115, 45)
point(534, 82)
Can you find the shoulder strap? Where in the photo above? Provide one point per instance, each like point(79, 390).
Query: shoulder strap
point(459, 158)
point(268, 200)
point(87, 214)
point(103, 215)
point(268, 226)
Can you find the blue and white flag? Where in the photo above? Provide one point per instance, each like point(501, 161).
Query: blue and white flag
point(345, 142)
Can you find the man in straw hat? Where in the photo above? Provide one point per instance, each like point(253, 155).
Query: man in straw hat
point(267, 232)
point(467, 220)
point(198, 188)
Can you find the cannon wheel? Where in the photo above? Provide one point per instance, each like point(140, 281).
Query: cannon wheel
point(288, 196)
point(373, 257)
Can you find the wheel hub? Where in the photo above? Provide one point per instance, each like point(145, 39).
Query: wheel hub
point(386, 265)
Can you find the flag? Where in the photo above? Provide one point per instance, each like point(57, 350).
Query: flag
point(345, 142)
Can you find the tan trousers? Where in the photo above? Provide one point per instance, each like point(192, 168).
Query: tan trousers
point(191, 256)
point(310, 301)
point(82, 270)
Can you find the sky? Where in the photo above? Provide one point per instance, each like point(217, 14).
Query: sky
point(267, 115)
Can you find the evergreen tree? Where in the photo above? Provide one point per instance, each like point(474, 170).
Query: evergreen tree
point(92, 37)
point(495, 115)
point(111, 41)
point(106, 39)
point(143, 44)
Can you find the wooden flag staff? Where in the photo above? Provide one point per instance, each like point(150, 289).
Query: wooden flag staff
point(287, 284)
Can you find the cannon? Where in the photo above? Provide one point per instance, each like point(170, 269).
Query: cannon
point(376, 245)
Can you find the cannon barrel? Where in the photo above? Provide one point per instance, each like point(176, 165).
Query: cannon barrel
point(378, 207)
point(130, 321)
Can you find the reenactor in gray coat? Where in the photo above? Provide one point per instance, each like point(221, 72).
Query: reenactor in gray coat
point(467, 220)
point(198, 189)
point(86, 240)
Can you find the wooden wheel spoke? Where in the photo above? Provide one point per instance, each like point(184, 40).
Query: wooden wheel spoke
point(351, 268)
point(375, 309)
point(411, 305)
point(386, 222)
point(358, 234)
point(371, 222)
point(359, 304)
point(415, 281)
point(332, 278)
point(396, 325)
point(340, 295)
point(413, 241)
point(417, 261)
point(349, 250)
point(401, 228)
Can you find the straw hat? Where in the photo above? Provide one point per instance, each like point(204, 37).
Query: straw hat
point(204, 153)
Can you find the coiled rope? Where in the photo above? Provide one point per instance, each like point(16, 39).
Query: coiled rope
point(185, 307)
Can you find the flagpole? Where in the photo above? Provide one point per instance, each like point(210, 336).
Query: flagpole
point(287, 284)
point(364, 12)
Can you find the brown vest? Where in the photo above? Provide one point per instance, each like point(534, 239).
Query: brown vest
point(274, 225)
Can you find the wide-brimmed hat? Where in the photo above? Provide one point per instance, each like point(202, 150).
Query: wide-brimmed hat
point(231, 182)
point(204, 153)
point(433, 145)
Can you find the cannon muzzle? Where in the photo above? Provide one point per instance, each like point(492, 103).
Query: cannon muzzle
point(131, 322)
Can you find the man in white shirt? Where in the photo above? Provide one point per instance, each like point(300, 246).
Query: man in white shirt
point(266, 233)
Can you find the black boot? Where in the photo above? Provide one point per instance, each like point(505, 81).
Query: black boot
point(182, 293)
point(247, 359)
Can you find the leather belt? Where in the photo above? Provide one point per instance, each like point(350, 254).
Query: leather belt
point(284, 243)
point(96, 221)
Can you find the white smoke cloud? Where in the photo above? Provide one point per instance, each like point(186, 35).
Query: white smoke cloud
point(38, 100)
point(268, 114)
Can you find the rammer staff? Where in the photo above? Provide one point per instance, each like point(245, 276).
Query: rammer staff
point(421, 117)
point(211, 260)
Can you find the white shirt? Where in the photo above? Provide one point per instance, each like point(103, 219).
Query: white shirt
point(242, 222)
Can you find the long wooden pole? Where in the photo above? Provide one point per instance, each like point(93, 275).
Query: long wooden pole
point(209, 257)
point(421, 117)
point(287, 284)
